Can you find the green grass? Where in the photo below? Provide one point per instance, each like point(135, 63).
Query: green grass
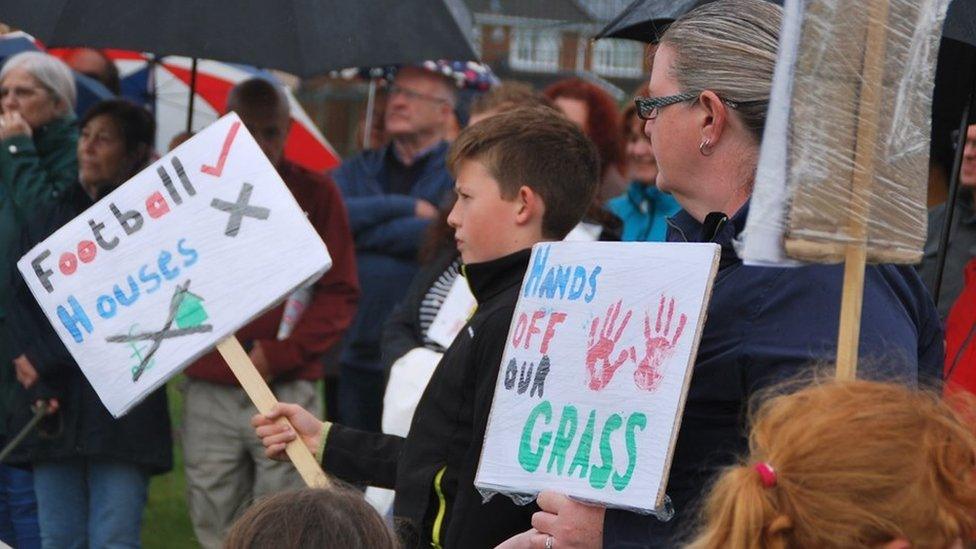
point(166, 522)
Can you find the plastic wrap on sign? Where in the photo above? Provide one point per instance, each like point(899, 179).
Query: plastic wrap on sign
point(839, 165)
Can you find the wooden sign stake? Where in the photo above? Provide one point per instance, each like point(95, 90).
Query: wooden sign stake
point(262, 397)
point(867, 132)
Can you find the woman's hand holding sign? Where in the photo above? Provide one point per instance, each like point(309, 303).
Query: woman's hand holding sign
point(561, 524)
point(275, 433)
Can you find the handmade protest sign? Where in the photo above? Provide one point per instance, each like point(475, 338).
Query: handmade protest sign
point(457, 308)
point(843, 169)
point(595, 372)
point(173, 262)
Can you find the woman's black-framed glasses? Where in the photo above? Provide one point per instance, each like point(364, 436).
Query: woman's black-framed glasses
point(647, 107)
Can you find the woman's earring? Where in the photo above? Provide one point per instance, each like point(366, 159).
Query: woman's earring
point(705, 147)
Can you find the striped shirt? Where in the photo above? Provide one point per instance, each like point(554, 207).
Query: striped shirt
point(434, 299)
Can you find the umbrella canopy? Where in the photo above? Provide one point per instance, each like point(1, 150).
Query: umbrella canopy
point(960, 23)
point(90, 91)
point(645, 20)
point(302, 37)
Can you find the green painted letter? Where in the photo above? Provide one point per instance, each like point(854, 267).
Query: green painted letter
point(582, 458)
point(600, 475)
point(564, 437)
point(528, 459)
point(636, 420)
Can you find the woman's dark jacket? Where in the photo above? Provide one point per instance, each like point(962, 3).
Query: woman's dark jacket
point(82, 427)
point(35, 171)
point(766, 325)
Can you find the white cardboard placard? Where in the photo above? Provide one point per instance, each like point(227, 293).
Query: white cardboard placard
point(453, 314)
point(595, 372)
point(173, 261)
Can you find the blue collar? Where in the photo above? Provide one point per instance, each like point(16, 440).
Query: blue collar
point(718, 228)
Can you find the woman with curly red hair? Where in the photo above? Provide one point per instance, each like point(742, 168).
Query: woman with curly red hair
point(596, 113)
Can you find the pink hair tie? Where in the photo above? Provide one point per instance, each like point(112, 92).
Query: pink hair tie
point(766, 474)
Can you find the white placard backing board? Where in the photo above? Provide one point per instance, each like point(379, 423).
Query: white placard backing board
point(457, 308)
point(595, 372)
point(176, 259)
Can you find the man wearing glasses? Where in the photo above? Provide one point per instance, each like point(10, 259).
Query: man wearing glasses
point(392, 195)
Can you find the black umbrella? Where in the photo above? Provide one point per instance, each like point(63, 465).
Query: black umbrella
point(960, 23)
point(645, 20)
point(302, 37)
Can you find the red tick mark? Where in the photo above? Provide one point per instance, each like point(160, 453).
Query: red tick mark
point(219, 168)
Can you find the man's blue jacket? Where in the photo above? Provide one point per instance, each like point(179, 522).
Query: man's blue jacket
point(764, 326)
point(387, 235)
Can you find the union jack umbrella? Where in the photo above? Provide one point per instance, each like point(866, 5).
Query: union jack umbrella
point(164, 87)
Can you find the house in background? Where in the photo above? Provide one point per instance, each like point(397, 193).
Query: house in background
point(542, 41)
point(535, 41)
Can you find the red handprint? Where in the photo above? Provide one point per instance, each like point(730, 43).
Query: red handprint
point(658, 348)
point(601, 348)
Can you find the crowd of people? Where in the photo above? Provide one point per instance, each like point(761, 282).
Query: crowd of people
point(771, 452)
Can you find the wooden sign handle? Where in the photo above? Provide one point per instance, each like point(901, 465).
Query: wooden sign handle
point(262, 397)
point(855, 258)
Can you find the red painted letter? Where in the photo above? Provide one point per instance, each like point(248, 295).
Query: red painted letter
point(156, 205)
point(554, 319)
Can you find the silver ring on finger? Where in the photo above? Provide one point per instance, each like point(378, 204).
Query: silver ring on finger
point(549, 541)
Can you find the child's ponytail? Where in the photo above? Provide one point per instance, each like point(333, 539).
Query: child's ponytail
point(743, 503)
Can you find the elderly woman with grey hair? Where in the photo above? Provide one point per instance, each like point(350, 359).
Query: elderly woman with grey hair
point(38, 141)
point(38, 163)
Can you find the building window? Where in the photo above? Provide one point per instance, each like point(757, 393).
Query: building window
point(618, 58)
point(534, 49)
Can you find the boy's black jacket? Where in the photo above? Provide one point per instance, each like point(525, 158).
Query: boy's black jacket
point(435, 507)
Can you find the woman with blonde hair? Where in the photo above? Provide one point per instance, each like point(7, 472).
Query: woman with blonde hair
point(848, 464)
point(706, 111)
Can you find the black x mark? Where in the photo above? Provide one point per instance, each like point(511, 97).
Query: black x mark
point(239, 210)
point(165, 333)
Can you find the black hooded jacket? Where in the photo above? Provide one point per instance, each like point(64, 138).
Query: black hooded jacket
point(433, 469)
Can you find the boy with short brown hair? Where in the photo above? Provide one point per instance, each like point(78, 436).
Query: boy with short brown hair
point(523, 177)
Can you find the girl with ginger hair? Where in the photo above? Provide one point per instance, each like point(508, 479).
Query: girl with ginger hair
point(849, 464)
